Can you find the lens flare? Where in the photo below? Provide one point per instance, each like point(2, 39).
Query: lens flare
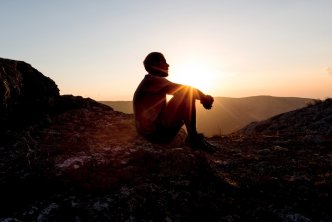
point(194, 74)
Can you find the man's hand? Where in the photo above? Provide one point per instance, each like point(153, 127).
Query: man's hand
point(207, 101)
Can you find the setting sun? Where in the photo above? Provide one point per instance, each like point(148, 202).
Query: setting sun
point(194, 74)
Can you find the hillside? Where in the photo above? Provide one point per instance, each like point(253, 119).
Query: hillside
point(231, 114)
point(74, 159)
point(313, 121)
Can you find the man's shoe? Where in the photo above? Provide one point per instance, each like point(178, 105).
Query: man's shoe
point(199, 143)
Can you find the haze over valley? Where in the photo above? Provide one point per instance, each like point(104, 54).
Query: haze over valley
point(231, 114)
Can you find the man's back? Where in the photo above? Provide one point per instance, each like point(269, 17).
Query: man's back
point(149, 100)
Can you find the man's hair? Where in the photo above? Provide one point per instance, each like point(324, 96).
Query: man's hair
point(152, 59)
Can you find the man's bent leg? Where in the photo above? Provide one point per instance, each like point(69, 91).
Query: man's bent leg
point(181, 110)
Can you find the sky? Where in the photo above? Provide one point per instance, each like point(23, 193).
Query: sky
point(233, 48)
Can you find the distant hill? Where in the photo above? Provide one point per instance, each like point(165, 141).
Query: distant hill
point(231, 114)
point(122, 106)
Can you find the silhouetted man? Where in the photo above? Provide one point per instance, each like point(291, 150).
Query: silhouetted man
point(160, 121)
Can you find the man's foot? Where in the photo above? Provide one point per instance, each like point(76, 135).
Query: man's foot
point(198, 142)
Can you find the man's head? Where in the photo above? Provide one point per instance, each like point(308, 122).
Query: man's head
point(155, 64)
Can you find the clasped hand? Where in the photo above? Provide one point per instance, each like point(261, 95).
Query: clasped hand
point(207, 101)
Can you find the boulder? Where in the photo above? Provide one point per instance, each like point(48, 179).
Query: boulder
point(25, 93)
point(312, 123)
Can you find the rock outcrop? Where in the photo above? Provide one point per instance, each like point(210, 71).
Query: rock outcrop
point(312, 123)
point(25, 93)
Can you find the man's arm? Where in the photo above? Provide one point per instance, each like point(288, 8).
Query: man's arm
point(206, 100)
point(174, 88)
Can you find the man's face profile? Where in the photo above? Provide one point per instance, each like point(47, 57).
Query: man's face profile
point(155, 63)
point(161, 67)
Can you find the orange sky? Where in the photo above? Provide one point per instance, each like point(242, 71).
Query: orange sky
point(226, 48)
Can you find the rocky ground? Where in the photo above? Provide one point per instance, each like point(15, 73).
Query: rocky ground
point(89, 164)
point(78, 160)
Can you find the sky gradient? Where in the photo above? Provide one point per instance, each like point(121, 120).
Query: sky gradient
point(239, 48)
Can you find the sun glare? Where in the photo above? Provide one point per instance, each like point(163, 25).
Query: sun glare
point(198, 75)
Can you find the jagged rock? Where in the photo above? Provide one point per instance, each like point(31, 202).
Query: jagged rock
point(67, 102)
point(20, 82)
point(25, 93)
point(312, 122)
